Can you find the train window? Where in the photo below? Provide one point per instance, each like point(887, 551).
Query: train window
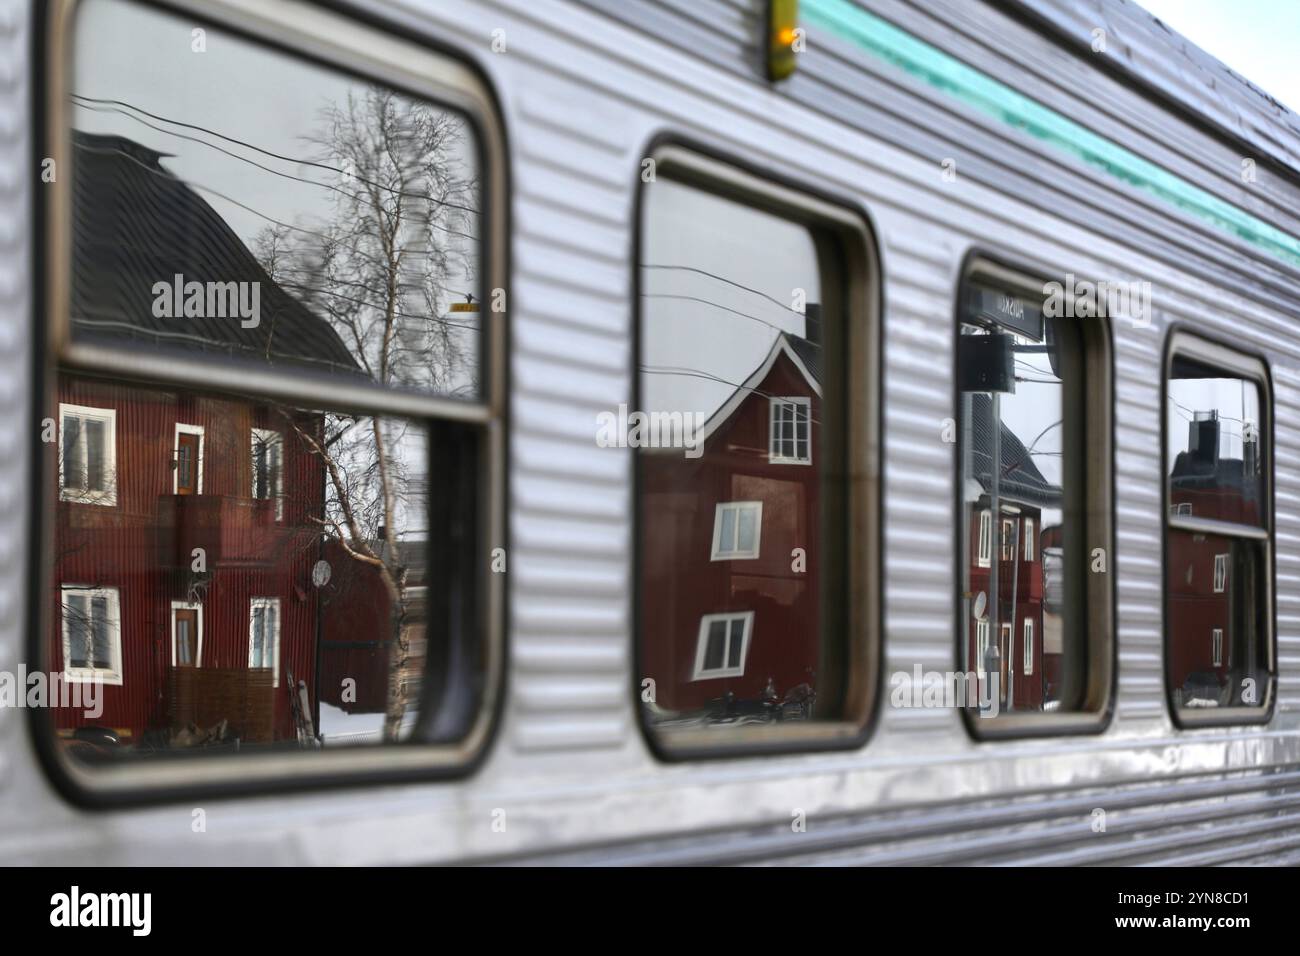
point(1219, 654)
point(756, 366)
point(274, 400)
point(1024, 421)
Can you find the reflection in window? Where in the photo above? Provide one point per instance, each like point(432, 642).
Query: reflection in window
point(88, 454)
point(268, 455)
point(725, 334)
point(1008, 540)
point(258, 211)
point(264, 637)
point(791, 431)
point(1018, 373)
point(187, 634)
point(92, 633)
point(230, 205)
point(737, 526)
point(723, 641)
point(1218, 538)
point(331, 593)
point(189, 459)
point(985, 538)
point(981, 644)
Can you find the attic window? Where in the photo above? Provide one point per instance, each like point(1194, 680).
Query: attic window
point(790, 438)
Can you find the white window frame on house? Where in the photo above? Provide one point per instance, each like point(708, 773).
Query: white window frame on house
point(1029, 646)
point(1220, 573)
point(113, 673)
point(776, 409)
point(720, 551)
point(105, 496)
point(702, 643)
point(985, 553)
point(272, 439)
point(253, 605)
point(176, 451)
point(1216, 647)
point(1008, 539)
point(1029, 539)
point(198, 637)
point(982, 632)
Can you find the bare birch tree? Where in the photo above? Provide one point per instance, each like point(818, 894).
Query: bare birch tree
point(396, 250)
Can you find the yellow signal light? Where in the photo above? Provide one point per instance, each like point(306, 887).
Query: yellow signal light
point(782, 35)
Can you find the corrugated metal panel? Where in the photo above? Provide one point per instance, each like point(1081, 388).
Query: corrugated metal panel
point(1155, 54)
point(569, 767)
point(15, 347)
point(1067, 79)
point(1252, 815)
point(833, 76)
point(721, 31)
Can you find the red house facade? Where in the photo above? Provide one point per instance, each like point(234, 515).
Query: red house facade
point(168, 563)
point(730, 582)
point(1212, 579)
point(187, 524)
point(1022, 556)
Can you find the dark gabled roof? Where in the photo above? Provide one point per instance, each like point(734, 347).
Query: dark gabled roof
point(136, 224)
point(810, 353)
point(1019, 478)
point(804, 355)
point(1191, 473)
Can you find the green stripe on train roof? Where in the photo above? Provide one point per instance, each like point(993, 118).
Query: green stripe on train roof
point(945, 72)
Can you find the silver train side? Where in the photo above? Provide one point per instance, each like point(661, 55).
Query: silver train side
point(585, 87)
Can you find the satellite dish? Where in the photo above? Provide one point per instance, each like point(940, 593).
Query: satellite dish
point(981, 604)
point(320, 574)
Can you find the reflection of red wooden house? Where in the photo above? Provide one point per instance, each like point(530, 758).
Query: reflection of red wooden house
point(729, 605)
point(1017, 548)
point(1203, 614)
point(185, 533)
point(356, 634)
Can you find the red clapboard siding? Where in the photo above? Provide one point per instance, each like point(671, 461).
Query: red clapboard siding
point(132, 545)
point(683, 584)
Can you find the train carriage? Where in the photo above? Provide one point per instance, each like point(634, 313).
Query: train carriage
point(726, 431)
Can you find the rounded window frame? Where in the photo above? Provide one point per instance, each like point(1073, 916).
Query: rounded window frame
point(401, 61)
point(861, 286)
point(1101, 626)
point(1183, 340)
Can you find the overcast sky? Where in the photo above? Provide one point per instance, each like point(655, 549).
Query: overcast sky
point(1260, 39)
point(144, 59)
point(717, 279)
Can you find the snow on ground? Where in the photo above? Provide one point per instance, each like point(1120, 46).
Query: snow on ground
point(337, 726)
